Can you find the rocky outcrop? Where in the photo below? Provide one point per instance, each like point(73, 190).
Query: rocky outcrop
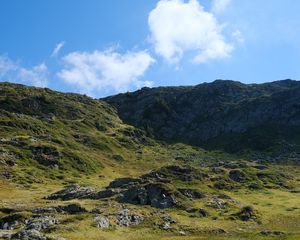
point(46, 155)
point(272, 233)
point(155, 195)
point(11, 222)
point(191, 193)
point(102, 222)
point(33, 229)
point(237, 175)
point(247, 214)
point(199, 114)
point(126, 218)
point(73, 192)
point(154, 189)
point(73, 208)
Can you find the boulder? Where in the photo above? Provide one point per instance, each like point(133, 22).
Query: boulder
point(125, 218)
point(246, 214)
point(237, 175)
point(102, 222)
point(40, 223)
point(152, 194)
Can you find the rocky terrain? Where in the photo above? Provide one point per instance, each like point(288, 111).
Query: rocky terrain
point(223, 114)
point(215, 161)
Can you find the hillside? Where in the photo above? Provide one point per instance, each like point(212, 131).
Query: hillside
point(224, 115)
point(214, 161)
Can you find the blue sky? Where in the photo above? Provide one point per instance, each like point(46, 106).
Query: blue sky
point(109, 46)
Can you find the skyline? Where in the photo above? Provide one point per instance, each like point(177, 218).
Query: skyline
point(101, 49)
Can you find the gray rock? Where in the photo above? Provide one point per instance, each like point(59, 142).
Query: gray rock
point(32, 235)
point(40, 223)
point(72, 192)
point(270, 233)
point(237, 175)
point(106, 193)
point(102, 222)
point(217, 203)
point(155, 195)
point(123, 182)
point(10, 222)
point(125, 218)
point(166, 226)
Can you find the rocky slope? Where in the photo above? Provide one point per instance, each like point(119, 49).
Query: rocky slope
point(70, 168)
point(225, 114)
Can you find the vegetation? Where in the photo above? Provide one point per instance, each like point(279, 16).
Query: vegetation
point(49, 140)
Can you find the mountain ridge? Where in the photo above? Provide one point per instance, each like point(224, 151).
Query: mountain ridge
point(198, 114)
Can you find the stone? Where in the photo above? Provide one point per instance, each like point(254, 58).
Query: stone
point(155, 195)
point(166, 226)
point(40, 223)
point(246, 214)
point(106, 193)
point(217, 203)
point(123, 182)
point(125, 218)
point(102, 222)
point(74, 208)
point(10, 222)
point(72, 192)
point(237, 175)
point(270, 233)
point(32, 235)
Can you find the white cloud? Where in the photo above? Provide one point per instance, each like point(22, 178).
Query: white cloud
point(177, 26)
point(238, 36)
point(57, 48)
point(97, 71)
point(37, 75)
point(6, 66)
point(219, 6)
point(12, 72)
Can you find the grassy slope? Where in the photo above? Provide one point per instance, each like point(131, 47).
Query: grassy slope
point(95, 147)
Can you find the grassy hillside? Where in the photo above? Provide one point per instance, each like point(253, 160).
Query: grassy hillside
point(50, 141)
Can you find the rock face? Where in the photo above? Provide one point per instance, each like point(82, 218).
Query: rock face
point(199, 114)
point(72, 192)
point(154, 189)
point(155, 195)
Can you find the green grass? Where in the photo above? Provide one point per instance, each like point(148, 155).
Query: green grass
point(95, 147)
